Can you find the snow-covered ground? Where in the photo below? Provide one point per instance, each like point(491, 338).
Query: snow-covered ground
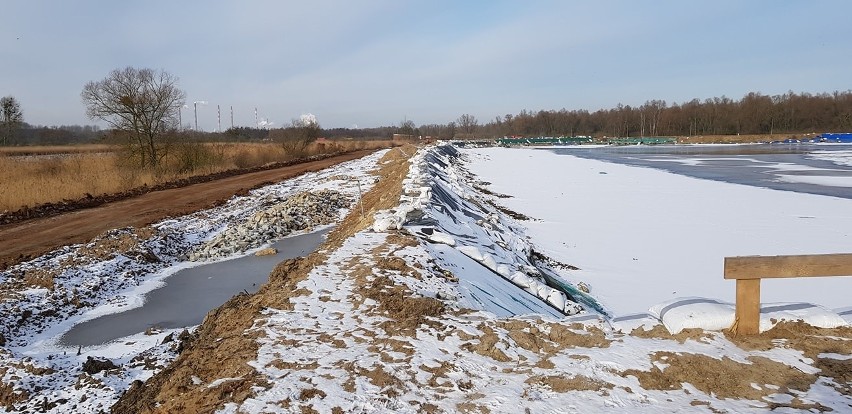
point(642, 236)
point(499, 347)
point(114, 272)
point(464, 298)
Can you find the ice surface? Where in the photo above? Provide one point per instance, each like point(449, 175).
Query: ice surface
point(830, 181)
point(842, 157)
point(642, 236)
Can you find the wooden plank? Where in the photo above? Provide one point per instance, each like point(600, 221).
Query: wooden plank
point(747, 320)
point(758, 267)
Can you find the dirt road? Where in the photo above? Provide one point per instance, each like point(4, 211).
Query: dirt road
point(28, 239)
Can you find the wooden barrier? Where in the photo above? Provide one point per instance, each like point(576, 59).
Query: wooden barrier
point(748, 270)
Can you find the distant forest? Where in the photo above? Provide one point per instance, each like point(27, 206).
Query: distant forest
point(755, 113)
point(57, 135)
point(75, 134)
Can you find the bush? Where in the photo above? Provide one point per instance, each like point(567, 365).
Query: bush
point(190, 157)
point(244, 158)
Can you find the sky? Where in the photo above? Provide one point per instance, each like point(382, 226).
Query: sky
point(379, 62)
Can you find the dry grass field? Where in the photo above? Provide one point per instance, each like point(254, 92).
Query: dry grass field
point(57, 149)
point(36, 175)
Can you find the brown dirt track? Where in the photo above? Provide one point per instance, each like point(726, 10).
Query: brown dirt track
point(23, 240)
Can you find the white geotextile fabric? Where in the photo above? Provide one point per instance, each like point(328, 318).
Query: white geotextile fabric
point(713, 315)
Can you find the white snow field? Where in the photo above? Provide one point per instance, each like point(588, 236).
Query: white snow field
point(642, 236)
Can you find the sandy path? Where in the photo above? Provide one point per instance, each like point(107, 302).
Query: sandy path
point(31, 238)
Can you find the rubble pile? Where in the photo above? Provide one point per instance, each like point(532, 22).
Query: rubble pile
point(295, 213)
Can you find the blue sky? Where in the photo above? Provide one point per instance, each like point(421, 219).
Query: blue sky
point(377, 62)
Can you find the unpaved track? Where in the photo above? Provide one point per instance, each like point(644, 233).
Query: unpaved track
point(32, 238)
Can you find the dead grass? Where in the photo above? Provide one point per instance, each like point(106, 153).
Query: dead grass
point(116, 242)
point(27, 181)
point(70, 173)
point(43, 278)
point(56, 149)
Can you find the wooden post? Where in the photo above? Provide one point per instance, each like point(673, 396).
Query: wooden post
point(748, 270)
point(747, 320)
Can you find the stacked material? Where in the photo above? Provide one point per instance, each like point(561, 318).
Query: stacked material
point(295, 213)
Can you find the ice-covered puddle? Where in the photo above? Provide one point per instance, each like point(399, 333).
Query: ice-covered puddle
point(190, 293)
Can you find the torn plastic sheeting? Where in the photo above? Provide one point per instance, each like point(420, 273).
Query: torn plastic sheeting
point(574, 294)
point(474, 219)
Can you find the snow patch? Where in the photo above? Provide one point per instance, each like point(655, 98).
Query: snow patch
point(713, 315)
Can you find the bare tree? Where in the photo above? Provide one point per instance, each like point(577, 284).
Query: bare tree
point(407, 127)
point(144, 104)
point(467, 123)
point(650, 113)
point(11, 118)
point(296, 137)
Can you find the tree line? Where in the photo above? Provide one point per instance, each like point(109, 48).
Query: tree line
point(56, 135)
point(755, 113)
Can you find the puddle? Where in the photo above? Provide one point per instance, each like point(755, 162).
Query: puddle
point(190, 293)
